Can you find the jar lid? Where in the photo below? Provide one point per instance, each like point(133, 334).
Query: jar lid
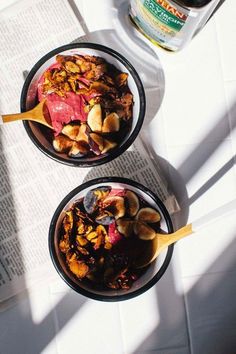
point(193, 3)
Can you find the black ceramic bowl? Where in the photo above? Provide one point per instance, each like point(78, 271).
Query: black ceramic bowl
point(29, 99)
point(153, 272)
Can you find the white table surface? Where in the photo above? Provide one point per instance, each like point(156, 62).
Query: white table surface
point(191, 99)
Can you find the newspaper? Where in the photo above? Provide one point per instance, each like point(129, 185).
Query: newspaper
point(33, 185)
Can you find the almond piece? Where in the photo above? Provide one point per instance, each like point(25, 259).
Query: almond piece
point(111, 123)
point(108, 145)
point(71, 130)
point(94, 118)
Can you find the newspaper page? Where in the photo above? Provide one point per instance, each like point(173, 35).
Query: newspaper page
point(33, 185)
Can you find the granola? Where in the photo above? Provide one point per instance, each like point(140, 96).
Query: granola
point(89, 103)
point(104, 236)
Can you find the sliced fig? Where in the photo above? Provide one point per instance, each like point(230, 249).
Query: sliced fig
point(96, 143)
point(79, 149)
point(115, 205)
point(62, 143)
point(125, 227)
point(83, 133)
point(108, 145)
point(133, 203)
point(105, 218)
point(148, 215)
point(113, 234)
point(93, 196)
point(94, 118)
point(90, 202)
point(144, 231)
point(111, 123)
point(71, 131)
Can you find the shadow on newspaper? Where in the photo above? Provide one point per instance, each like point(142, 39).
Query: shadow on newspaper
point(11, 264)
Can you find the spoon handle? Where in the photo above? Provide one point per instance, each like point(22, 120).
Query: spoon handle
point(6, 118)
point(168, 239)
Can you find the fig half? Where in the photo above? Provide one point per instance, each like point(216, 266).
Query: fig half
point(148, 215)
point(144, 231)
point(133, 203)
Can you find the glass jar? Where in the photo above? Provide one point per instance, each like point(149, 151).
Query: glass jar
point(170, 24)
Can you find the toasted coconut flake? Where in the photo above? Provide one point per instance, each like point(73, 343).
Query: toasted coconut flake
point(148, 215)
point(72, 67)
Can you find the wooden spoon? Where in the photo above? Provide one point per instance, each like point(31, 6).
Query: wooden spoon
point(37, 114)
point(161, 241)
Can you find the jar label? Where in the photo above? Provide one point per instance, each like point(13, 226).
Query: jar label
point(160, 20)
point(165, 13)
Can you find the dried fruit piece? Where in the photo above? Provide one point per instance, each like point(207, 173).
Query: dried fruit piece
point(81, 240)
point(91, 235)
point(79, 149)
point(115, 205)
point(133, 203)
point(78, 268)
point(105, 218)
point(72, 67)
point(121, 79)
point(108, 145)
point(125, 227)
point(144, 231)
point(92, 197)
point(68, 221)
point(113, 234)
point(71, 130)
point(111, 123)
point(96, 143)
point(62, 143)
point(148, 215)
point(83, 133)
point(94, 118)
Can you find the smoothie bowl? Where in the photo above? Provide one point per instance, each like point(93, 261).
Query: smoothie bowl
point(94, 99)
point(100, 239)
